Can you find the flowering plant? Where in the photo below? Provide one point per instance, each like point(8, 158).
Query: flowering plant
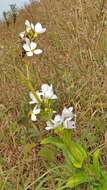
point(28, 38)
point(76, 157)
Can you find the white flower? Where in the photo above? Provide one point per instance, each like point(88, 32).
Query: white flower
point(68, 115)
point(27, 23)
point(58, 120)
point(30, 49)
point(33, 98)
point(67, 112)
point(47, 92)
point(38, 29)
point(69, 124)
point(22, 35)
point(26, 40)
point(34, 113)
point(66, 119)
point(28, 26)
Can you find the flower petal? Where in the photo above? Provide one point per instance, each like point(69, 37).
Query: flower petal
point(39, 29)
point(67, 112)
point(32, 26)
point(29, 54)
point(27, 41)
point(70, 109)
point(33, 117)
point(44, 87)
point(69, 124)
point(37, 51)
point(50, 125)
point(33, 99)
point(27, 23)
point(36, 110)
point(58, 119)
point(26, 47)
point(48, 91)
point(54, 97)
point(33, 45)
point(22, 34)
point(28, 26)
point(28, 29)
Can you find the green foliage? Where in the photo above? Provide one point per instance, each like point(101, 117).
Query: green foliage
point(104, 180)
point(48, 153)
point(77, 179)
point(46, 114)
point(55, 141)
point(96, 164)
point(27, 149)
point(75, 155)
point(74, 152)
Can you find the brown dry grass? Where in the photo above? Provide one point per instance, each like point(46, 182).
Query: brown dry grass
point(74, 61)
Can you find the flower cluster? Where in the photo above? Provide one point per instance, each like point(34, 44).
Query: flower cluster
point(28, 38)
point(42, 100)
point(45, 95)
point(66, 119)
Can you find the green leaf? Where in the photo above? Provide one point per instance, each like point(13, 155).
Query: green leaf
point(73, 152)
point(27, 149)
point(55, 141)
point(77, 180)
point(59, 144)
point(104, 180)
point(77, 154)
point(47, 153)
point(46, 114)
point(96, 164)
point(66, 136)
point(99, 187)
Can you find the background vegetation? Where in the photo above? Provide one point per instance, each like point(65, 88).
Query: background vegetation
point(75, 62)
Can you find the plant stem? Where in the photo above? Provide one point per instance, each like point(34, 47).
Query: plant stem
point(30, 85)
point(33, 91)
point(27, 70)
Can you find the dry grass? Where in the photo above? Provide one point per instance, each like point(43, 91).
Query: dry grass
point(74, 61)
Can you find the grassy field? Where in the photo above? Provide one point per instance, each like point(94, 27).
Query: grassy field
point(75, 62)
